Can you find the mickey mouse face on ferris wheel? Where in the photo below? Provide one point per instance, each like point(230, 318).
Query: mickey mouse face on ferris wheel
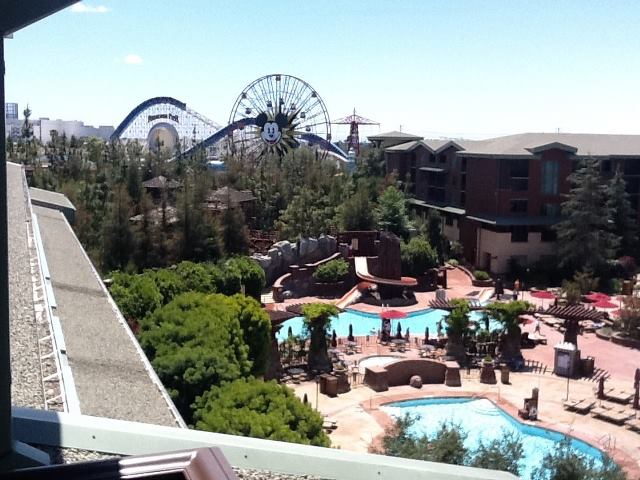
point(271, 131)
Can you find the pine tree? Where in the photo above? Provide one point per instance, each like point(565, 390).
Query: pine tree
point(624, 223)
point(235, 231)
point(585, 240)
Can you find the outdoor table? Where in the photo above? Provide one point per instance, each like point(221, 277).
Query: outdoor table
point(296, 371)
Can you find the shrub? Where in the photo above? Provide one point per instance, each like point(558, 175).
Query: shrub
point(253, 408)
point(417, 256)
point(456, 250)
point(193, 342)
point(136, 295)
point(251, 275)
point(332, 271)
point(453, 262)
point(481, 275)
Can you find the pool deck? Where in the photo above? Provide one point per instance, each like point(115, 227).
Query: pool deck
point(361, 423)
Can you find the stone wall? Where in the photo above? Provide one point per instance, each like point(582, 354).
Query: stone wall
point(283, 254)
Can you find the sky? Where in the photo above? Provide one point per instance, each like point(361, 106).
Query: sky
point(451, 68)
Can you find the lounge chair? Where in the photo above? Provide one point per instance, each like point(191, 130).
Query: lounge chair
point(619, 396)
point(633, 424)
point(584, 406)
point(570, 403)
point(613, 415)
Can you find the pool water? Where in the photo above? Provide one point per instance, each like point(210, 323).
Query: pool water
point(376, 361)
point(369, 323)
point(482, 420)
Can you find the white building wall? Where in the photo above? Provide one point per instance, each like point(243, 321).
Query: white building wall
point(501, 248)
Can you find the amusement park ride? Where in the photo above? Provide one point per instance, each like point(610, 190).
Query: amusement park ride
point(353, 140)
point(272, 115)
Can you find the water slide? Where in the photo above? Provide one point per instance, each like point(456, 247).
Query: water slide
point(362, 271)
point(352, 296)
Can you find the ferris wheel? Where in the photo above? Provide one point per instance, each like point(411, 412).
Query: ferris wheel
point(275, 114)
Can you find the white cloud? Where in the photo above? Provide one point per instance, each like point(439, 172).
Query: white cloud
point(84, 8)
point(133, 59)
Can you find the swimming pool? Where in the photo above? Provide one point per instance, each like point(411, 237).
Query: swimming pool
point(482, 420)
point(369, 323)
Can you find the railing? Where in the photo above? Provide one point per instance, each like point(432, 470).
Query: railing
point(131, 438)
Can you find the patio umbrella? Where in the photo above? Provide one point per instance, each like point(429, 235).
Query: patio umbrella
point(399, 331)
point(597, 296)
point(543, 294)
point(289, 332)
point(426, 334)
point(406, 335)
point(350, 337)
point(392, 314)
point(334, 339)
point(602, 303)
point(305, 399)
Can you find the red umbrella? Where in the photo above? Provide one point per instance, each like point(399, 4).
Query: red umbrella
point(602, 303)
point(392, 314)
point(543, 294)
point(597, 296)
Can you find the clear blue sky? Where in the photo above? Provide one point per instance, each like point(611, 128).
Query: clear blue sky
point(446, 68)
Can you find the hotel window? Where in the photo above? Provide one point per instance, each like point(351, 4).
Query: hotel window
point(514, 174)
point(548, 235)
point(550, 210)
point(518, 206)
point(463, 198)
point(605, 166)
point(519, 234)
point(448, 220)
point(550, 177)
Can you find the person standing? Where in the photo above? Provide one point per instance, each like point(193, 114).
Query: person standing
point(516, 289)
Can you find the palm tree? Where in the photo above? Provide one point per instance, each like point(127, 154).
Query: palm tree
point(457, 325)
point(508, 314)
point(317, 319)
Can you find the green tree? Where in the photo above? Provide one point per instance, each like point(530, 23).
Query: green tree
point(624, 217)
point(136, 295)
point(193, 342)
point(235, 233)
point(118, 241)
point(317, 319)
point(457, 327)
point(417, 256)
point(256, 331)
point(564, 463)
point(392, 212)
point(253, 408)
point(584, 237)
point(445, 446)
point(505, 454)
point(198, 232)
point(251, 274)
point(357, 212)
point(508, 314)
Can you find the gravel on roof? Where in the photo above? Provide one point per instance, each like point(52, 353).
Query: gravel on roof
point(26, 386)
point(109, 372)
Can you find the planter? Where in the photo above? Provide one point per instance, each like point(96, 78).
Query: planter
point(625, 341)
point(482, 283)
point(603, 335)
point(330, 289)
point(488, 374)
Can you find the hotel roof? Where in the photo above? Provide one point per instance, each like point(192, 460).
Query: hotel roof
point(110, 374)
point(530, 144)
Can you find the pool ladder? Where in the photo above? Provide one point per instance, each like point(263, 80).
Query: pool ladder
point(607, 442)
